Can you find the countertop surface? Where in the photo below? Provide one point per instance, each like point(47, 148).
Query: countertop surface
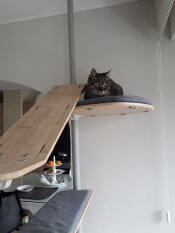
point(41, 193)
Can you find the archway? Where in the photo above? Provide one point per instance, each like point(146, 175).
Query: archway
point(15, 100)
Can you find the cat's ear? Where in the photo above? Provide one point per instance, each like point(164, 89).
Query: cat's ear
point(93, 72)
point(108, 73)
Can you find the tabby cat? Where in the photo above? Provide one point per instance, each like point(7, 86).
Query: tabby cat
point(100, 84)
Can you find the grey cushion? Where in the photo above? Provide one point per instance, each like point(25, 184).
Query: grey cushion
point(61, 214)
point(120, 98)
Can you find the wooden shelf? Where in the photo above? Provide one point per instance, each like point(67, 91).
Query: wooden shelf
point(112, 108)
point(28, 144)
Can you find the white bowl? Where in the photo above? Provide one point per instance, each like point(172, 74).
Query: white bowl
point(25, 188)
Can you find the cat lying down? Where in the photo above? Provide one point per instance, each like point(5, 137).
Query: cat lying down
point(100, 84)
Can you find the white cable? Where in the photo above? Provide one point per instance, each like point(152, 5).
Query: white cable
point(163, 129)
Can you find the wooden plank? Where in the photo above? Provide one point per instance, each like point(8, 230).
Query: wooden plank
point(28, 144)
point(113, 108)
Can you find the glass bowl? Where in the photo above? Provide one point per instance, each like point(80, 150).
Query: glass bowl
point(50, 178)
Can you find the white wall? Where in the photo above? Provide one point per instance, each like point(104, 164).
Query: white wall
point(35, 52)
point(121, 156)
point(168, 71)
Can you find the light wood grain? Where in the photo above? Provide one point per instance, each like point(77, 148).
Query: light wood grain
point(28, 144)
point(113, 108)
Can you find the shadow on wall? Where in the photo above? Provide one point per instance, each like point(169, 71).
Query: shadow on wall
point(147, 23)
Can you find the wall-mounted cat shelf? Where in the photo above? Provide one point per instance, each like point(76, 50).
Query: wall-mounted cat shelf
point(113, 105)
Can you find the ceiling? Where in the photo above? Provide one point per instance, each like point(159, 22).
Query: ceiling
point(18, 10)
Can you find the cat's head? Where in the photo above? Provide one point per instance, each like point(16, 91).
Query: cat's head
point(100, 82)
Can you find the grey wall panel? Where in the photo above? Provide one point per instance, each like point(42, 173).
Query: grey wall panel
point(172, 23)
point(163, 8)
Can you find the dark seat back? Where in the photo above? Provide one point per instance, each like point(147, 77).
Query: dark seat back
point(62, 214)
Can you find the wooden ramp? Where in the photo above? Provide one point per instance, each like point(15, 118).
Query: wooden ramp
point(28, 144)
